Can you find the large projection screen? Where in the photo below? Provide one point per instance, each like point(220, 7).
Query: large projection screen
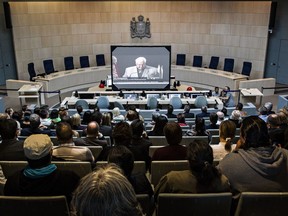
point(140, 67)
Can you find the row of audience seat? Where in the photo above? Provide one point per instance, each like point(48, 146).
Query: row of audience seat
point(228, 63)
point(250, 203)
point(68, 63)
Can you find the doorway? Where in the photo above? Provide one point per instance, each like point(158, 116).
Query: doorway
point(282, 73)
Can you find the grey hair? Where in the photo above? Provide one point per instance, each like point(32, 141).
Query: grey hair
point(105, 192)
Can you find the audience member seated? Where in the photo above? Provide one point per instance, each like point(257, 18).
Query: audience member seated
point(44, 118)
point(79, 109)
point(204, 112)
point(124, 158)
point(216, 92)
point(131, 115)
point(103, 129)
point(160, 122)
point(9, 111)
point(187, 112)
point(227, 97)
point(170, 110)
point(256, 165)
point(174, 150)
point(107, 119)
point(227, 132)
point(263, 113)
point(36, 127)
point(140, 142)
point(269, 107)
point(94, 137)
point(181, 119)
point(67, 149)
point(54, 116)
point(213, 121)
point(239, 107)
point(117, 115)
point(225, 112)
point(276, 133)
point(236, 118)
point(25, 123)
point(202, 177)
point(76, 122)
point(221, 117)
point(86, 117)
point(283, 120)
point(68, 119)
point(105, 192)
point(11, 149)
point(199, 129)
point(40, 177)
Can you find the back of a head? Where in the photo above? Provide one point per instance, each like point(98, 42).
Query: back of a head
point(122, 134)
point(227, 130)
point(131, 115)
point(92, 129)
point(273, 120)
point(263, 110)
point(64, 132)
point(8, 129)
point(200, 158)
point(181, 118)
point(239, 106)
point(137, 128)
point(213, 118)
point(187, 108)
point(170, 109)
point(235, 115)
point(34, 121)
point(116, 111)
point(123, 157)
point(96, 116)
point(104, 192)
point(54, 114)
point(79, 109)
point(43, 113)
point(199, 126)
point(87, 116)
point(160, 123)
point(204, 109)
point(269, 106)
point(38, 150)
point(254, 133)
point(76, 119)
point(173, 133)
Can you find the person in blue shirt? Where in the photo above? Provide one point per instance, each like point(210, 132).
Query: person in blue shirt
point(227, 97)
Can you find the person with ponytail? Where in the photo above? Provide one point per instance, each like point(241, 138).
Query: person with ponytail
point(227, 132)
point(256, 164)
point(202, 177)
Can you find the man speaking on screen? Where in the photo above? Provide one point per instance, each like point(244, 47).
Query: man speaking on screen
point(141, 70)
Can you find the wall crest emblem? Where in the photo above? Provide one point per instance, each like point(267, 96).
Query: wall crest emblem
point(140, 28)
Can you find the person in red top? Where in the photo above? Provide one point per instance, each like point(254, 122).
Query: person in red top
point(174, 151)
point(181, 119)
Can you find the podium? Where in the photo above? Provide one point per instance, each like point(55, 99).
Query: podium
point(250, 95)
point(29, 94)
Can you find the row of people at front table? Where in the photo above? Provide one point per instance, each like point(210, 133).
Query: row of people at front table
point(251, 159)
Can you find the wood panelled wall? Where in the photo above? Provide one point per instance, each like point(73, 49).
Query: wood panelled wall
point(44, 30)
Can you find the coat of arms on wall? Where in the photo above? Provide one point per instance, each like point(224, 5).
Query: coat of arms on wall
point(140, 28)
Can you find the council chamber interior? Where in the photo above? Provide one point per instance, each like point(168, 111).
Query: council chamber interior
point(72, 53)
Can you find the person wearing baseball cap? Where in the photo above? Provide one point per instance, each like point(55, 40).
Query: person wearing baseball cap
point(40, 177)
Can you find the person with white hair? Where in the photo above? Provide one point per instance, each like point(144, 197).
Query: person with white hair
point(103, 192)
point(141, 70)
point(117, 115)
